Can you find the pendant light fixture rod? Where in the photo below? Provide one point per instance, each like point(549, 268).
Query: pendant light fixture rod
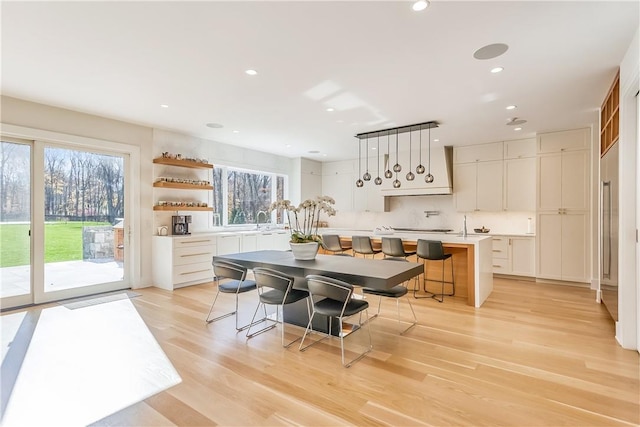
point(399, 129)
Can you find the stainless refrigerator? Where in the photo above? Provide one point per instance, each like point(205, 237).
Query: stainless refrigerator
point(609, 230)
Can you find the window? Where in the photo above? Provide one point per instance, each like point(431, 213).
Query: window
point(242, 196)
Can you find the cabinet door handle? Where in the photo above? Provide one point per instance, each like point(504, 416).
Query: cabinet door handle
point(193, 272)
point(497, 266)
point(188, 255)
point(194, 241)
point(497, 250)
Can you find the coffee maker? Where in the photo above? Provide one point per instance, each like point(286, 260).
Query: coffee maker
point(180, 224)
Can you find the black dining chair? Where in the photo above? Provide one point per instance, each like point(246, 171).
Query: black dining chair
point(275, 288)
point(432, 250)
point(235, 282)
point(333, 298)
point(396, 293)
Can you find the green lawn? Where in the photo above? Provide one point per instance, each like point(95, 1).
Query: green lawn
point(63, 242)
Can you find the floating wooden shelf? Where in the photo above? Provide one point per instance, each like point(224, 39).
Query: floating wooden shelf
point(182, 163)
point(181, 186)
point(610, 117)
point(182, 208)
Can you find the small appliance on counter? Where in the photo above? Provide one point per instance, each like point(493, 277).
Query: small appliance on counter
point(180, 224)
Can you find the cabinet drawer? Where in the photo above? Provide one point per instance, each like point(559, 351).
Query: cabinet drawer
point(500, 247)
point(194, 241)
point(192, 255)
point(500, 266)
point(191, 272)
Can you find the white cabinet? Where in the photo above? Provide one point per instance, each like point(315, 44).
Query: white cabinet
point(478, 186)
point(553, 142)
point(273, 241)
point(563, 246)
point(182, 261)
point(249, 242)
point(228, 244)
point(520, 184)
point(563, 179)
point(338, 181)
point(563, 237)
point(478, 153)
point(514, 255)
point(520, 148)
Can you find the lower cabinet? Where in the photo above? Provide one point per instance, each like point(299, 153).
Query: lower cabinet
point(514, 255)
point(563, 246)
point(182, 261)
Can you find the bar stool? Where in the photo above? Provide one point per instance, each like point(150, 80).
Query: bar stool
point(396, 292)
point(392, 247)
point(432, 250)
point(362, 245)
point(332, 243)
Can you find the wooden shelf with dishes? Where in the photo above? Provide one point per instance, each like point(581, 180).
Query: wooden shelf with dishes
point(610, 117)
point(182, 163)
point(181, 185)
point(182, 208)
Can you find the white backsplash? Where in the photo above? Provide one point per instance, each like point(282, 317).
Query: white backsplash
point(408, 212)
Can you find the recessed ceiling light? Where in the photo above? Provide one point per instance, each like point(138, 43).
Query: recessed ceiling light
point(496, 70)
point(251, 72)
point(288, 145)
point(517, 129)
point(214, 125)
point(324, 155)
point(329, 109)
point(164, 106)
point(420, 5)
point(236, 131)
point(374, 148)
point(511, 107)
point(490, 51)
point(436, 140)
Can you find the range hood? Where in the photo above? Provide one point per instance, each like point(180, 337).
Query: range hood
point(441, 169)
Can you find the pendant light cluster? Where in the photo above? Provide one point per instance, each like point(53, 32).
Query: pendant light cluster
point(420, 169)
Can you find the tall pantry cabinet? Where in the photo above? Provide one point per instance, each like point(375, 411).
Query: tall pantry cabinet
point(562, 205)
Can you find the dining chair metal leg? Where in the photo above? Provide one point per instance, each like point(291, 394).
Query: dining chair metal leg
point(209, 320)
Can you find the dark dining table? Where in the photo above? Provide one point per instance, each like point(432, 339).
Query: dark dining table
point(372, 273)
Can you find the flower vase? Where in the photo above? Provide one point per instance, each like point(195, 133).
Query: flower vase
point(304, 251)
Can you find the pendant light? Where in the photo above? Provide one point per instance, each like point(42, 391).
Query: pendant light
point(397, 168)
point(367, 175)
point(359, 182)
point(410, 176)
point(378, 180)
point(429, 178)
point(388, 173)
point(420, 167)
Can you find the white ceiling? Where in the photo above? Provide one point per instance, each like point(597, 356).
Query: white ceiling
point(378, 64)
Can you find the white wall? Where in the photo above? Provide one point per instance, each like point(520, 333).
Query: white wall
point(218, 153)
point(66, 122)
point(628, 287)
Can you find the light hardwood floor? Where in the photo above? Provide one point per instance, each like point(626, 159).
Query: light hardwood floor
point(532, 355)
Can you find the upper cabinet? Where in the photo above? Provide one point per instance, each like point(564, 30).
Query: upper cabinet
point(556, 142)
point(478, 153)
point(610, 116)
point(177, 174)
point(520, 175)
point(478, 177)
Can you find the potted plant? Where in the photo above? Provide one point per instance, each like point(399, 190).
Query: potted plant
point(303, 224)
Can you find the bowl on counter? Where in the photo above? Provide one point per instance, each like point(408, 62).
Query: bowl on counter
point(481, 230)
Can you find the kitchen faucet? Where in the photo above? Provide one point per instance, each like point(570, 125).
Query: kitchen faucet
point(266, 217)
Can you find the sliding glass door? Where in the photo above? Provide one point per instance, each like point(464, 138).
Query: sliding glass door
point(63, 222)
point(15, 223)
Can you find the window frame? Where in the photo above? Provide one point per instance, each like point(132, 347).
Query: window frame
point(224, 179)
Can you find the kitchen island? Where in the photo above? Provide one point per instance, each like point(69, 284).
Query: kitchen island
point(472, 257)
